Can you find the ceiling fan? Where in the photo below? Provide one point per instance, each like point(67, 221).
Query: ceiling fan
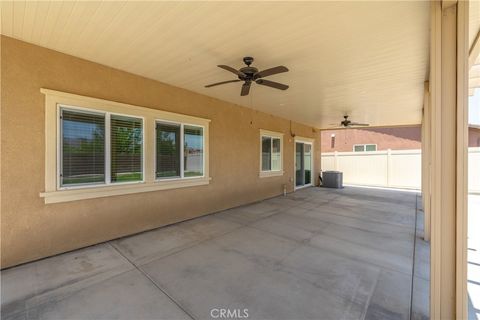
point(348, 124)
point(250, 74)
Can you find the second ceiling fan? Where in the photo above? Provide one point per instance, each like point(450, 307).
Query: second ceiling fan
point(250, 74)
point(348, 124)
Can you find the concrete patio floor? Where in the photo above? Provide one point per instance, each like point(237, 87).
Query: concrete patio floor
point(314, 254)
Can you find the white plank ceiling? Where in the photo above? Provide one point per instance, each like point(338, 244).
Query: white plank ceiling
point(367, 59)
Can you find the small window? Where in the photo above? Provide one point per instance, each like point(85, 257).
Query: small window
point(170, 154)
point(126, 148)
point(359, 148)
point(364, 147)
point(82, 148)
point(271, 152)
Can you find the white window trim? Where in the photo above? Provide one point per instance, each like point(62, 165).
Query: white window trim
point(271, 173)
point(53, 194)
point(365, 147)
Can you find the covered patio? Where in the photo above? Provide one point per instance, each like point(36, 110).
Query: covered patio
point(159, 159)
point(315, 254)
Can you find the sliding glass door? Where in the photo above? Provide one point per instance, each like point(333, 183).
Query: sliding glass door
point(303, 164)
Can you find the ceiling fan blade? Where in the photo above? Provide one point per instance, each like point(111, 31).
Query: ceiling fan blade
point(272, 84)
point(269, 72)
point(359, 124)
point(238, 73)
point(245, 88)
point(219, 83)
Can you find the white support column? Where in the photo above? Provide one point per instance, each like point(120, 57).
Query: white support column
point(426, 165)
point(448, 92)
point(462, 159)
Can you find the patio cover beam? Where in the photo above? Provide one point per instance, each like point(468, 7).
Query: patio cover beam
point(449, 64)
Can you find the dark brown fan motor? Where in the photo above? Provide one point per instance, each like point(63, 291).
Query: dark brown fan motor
point(250, 74)
point(347, 123)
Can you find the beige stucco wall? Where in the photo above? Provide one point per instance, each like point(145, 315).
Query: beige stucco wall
point(31, 229)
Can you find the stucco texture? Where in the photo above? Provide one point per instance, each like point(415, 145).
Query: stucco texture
point(31, 229)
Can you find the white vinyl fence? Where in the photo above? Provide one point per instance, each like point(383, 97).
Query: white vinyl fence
point(392, 168)
point(474, 170)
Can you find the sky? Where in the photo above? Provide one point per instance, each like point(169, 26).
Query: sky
point(474, 108)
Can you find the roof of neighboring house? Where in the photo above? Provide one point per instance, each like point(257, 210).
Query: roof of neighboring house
point(474, 126)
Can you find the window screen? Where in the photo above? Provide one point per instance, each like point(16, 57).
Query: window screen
point(266, 153)
point(126, 148)
point(193, 151)
point(83, 148)
point(168, 150)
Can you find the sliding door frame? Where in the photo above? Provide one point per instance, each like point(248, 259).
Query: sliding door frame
point(310, 142)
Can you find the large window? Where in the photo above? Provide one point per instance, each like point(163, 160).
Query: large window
point(174, 161)
point(364, 147)
point(98, 148)
point(270, 153)
point(90, 154)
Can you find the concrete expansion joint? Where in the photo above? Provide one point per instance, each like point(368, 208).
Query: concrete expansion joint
point(153, 282)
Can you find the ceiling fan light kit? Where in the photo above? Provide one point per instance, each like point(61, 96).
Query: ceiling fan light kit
point(250, 74)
